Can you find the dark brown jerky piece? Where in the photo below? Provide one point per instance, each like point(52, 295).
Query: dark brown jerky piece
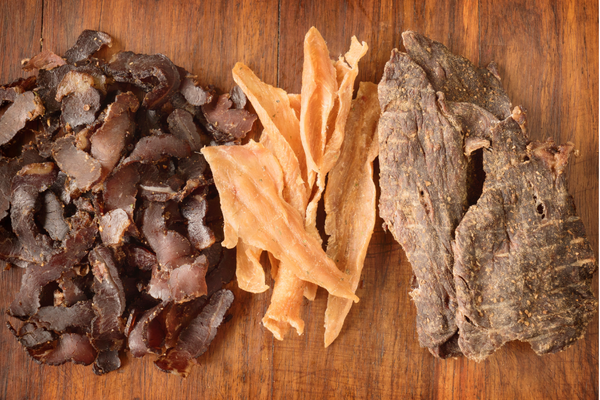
point(223, 272)
point(47, 84)
point(178, 316)
point(152, 149)
point(113, 226)
point(139, 69)
point(77, 164)
point(27, 184)
point(87, 44)
point(69, 347)
point(48, 126)
point(8, 168)
point(456, 77)
point(192, 170)
point(108, 143)
point(8, 93)
point(194, 94)
point(26, 107)
point(58, 319)
point(423, 190)
point(10, 246)
point(148, 333)
point(32, 337)
point(182, 125)
point(73, 82)
point(159, 182)
point(197, 336)
point(120, 189)
point(227, 124)
point(109, 305)
point(45, 60)
point(81, 237)
point(140, 257)
point(52, 218)
point(71, 285)
point(523, 267)
point(238, 97)
point(80, 108)
point(194, 211)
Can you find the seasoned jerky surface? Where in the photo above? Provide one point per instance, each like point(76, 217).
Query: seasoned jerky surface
point(111, 210)
point(518, 257)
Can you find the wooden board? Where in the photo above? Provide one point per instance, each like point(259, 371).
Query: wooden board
point(547, 56)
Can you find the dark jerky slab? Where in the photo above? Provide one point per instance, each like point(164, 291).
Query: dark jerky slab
point(194, 94)
point(27, 184)
point(154, 148)
point(8, 168)
point(140, 257)
point(81, 237)
point(148, 333)
point(423, 189)
point(26, 107)
point(456, 77)
point(139, 69)
point(113, 226)
point(197, 336)
point(109, 305)
point(194, 210)
point(182, 125)
point(108, 143)
point(80, 108)
point(45, 60)
point(52, 218)
point(120, 189)
point(77, 164)
point(227, 124)
point(524, 267)
point(47, 82)
point(87, 44)
point(58, 319)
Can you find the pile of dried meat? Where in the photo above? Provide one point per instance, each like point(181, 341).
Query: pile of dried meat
point(110, 209)
point(270, 190)
point(482, 212)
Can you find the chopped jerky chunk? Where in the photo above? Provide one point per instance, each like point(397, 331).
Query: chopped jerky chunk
point(120, 189)
point(26, 107)
point(77, 164)
point(58, 319)
point(113, 225)
point(194, 94)
point(45, 60)
point(148, 333)
point(72, 286)
point(73, 82)
point(237, 96)
point(182, 125)
point(140, 257)
point(227, 124)
point(8, 93)
point(194, 340)
point(8, 169)
point(52, 217)
point(154, 148)
point(47, 84)
point(87, 44)
point(194, 211)
point(139, 69)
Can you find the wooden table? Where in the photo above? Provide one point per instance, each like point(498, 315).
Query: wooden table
point(547, 55)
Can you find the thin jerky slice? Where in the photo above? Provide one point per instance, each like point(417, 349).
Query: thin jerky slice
point(456, 77)
point(8, 93)
point(27, 185)
point(72, 287)
point(26, 107)
point(182, 125)
point(108, 142)
point(197, 336)
point(140, 257)
point(423, 180)
point(77, 164)
point(193, 93)
point(523, 266)
point(8, 168)
point(45, 60)
point(248, 176)
point(194, 210)
point(58, 319)
point(154, 148)
point(81, 237)
point(87, 43)
point(227, 124)
point(52, 217)
point(120, 190)
point(148, 331)
point(350, 200)
point(47, 82)
point(69, 347)
point(144, 71)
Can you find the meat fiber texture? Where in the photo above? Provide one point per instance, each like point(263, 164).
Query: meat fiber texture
point(506, 260)
point(110, 208)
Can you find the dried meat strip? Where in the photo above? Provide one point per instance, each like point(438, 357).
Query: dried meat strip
point(87, 43)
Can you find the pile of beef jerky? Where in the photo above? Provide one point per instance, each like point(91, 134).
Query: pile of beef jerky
point(110, 209)
point(482, 212)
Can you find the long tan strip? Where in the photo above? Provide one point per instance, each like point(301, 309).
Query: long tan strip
point(248, 179)
point(249, 272)
point(286, 304)
point(350, 201)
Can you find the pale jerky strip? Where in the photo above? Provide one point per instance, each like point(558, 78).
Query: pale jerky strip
point(285, 309)
point(249, 181)
point(249, 272)
point(350, 201)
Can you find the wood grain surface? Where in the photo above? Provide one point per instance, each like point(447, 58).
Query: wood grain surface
point(547, 55)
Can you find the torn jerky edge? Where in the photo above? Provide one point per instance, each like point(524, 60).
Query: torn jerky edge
point(110, 209)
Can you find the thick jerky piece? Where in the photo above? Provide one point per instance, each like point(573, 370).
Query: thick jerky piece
point(47, 84)
point(194, 211)
point(456, 77)
point(152, 149)
point(144, 70)
point(182, 125)
point(193, 93)
point(523, 266)
point(79, 100)
point(58, 319)
point(120, 189)
point(227, 124)
point(52, 218)
point(109, 305)
point(27, 106)
point(194, 340)
point(76, 163)
point(423, 190)
point(140, 257)
point(45, 60)
point(108, 142)
point(8, 168)
point(82, 236)
point(87, 44)
point(148, 333)
point(31, 180)
point(113, 225)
